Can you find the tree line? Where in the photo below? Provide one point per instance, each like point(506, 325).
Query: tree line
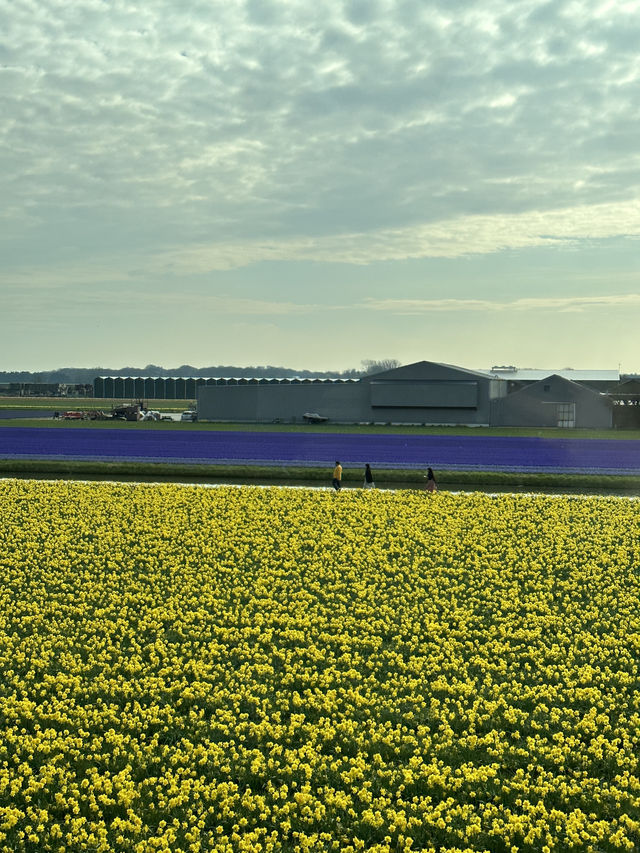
point(86, 375)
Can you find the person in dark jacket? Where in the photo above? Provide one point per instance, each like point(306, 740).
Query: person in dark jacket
point(368, 478)
point(432, 486)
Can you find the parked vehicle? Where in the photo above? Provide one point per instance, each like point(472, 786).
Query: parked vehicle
point(127, 413)
point(314, 418)
point(189, 416)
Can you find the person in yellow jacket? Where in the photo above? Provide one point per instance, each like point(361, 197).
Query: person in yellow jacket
point(337, 477)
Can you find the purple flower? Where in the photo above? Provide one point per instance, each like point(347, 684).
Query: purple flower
point(450, 452)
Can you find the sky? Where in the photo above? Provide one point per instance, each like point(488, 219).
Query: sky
point(313, 183)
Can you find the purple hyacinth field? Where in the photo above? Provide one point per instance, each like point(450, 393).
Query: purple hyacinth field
point(487, 453)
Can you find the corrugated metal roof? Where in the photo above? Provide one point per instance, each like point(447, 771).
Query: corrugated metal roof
point(246, 379)
point(530, 374)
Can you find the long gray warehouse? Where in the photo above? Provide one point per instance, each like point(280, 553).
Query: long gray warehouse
point(422, 393)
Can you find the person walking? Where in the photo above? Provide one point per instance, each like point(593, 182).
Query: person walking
point(337, 477)
point(368, 478)
point(432, 486)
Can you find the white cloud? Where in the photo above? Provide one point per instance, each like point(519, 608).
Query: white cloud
point(555, 304)
point(449, 239)
point(463, 237)
point(304, 119)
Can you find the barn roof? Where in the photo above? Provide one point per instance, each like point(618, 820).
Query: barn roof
point(530, 374)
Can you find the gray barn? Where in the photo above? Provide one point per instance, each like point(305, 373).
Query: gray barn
point(423, 393)
point(553, 402)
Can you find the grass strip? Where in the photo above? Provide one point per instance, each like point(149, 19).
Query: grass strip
point(332, 429)
point(351, 476)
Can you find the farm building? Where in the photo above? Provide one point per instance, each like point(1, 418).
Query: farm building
point(625, 398)
point(553, 402)
point(520, 377)
point(423, 393)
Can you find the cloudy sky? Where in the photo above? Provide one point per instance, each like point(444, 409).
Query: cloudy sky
point(311, 183)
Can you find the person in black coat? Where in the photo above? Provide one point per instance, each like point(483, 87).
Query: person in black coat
point(368, 478)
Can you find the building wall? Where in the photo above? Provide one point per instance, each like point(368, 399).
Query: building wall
point(430, 402)
point(539, 405)
point(429, 395)
point(266, 403)
point(229, 403)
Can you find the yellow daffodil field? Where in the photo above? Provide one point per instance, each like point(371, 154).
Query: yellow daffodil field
point(269, 669)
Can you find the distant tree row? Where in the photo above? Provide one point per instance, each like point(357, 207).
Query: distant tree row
point(82, 375)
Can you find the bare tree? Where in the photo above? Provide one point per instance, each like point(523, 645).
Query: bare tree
point(369, 366)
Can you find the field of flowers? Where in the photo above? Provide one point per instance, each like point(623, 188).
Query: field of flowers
point(231, 669)
point(450, 452)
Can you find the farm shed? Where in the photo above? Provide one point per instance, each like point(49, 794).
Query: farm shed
point(625, 398)
point(521, 377)
point(424, 392)
point(432, 393)
point(553, 402)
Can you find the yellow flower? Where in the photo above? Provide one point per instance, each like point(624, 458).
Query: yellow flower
point(239, 668)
